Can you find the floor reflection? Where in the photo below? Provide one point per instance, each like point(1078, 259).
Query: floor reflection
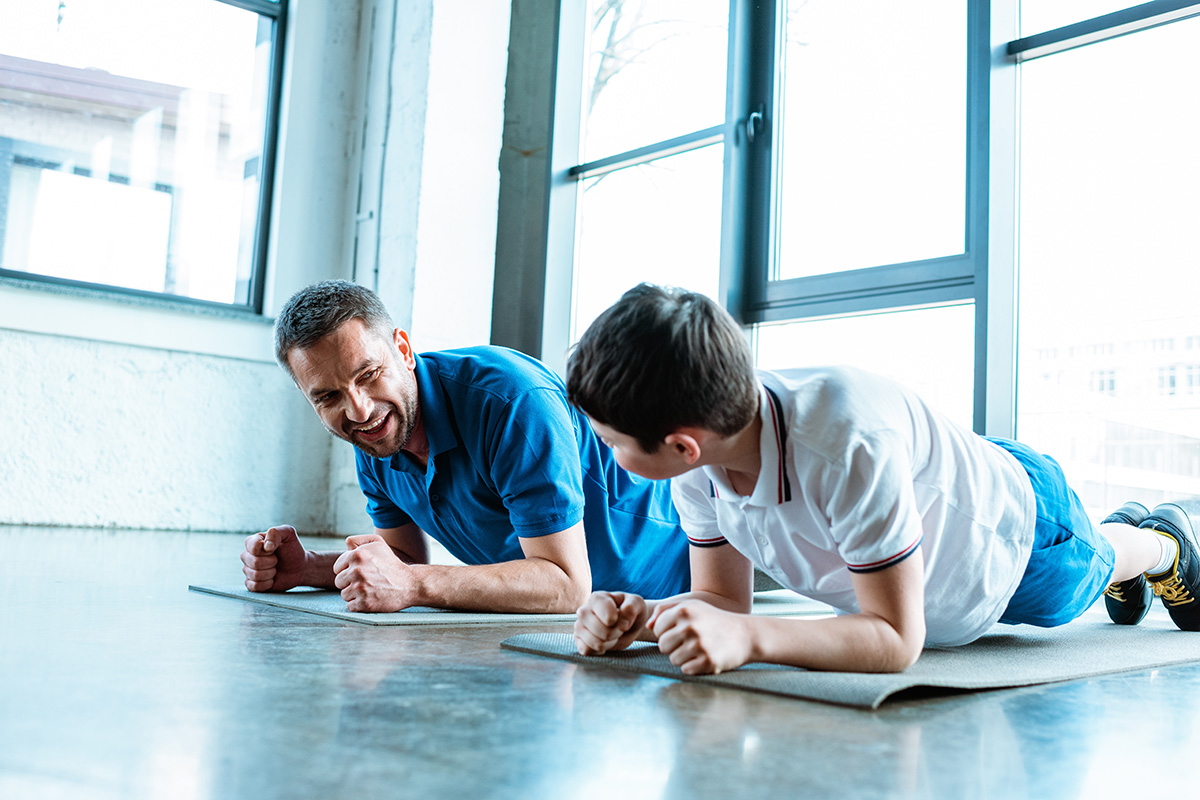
point(121, 683)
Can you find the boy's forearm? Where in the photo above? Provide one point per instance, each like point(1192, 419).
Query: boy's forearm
point(850, 643)
point(712, 598)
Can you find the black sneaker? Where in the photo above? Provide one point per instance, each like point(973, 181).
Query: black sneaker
point(1179, 587)
point(1128, 601)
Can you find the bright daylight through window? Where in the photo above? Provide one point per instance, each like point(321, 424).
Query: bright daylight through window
point(132, 138)
point(1110, 264)
point(868, 183)
point(661, 63)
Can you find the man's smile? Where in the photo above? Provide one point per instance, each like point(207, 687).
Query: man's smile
point(373, 430)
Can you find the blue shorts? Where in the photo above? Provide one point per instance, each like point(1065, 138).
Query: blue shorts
point(1071, 564)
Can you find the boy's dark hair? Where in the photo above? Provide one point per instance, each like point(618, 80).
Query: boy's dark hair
point(662, 358)
point(318, 310)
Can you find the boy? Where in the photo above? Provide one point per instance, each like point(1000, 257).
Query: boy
point(847, 488)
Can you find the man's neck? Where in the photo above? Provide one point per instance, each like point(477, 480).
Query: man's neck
point(417, 445)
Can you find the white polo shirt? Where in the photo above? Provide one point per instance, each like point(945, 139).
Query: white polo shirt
point(857, 473)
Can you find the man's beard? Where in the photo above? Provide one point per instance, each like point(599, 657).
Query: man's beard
point(381, 449)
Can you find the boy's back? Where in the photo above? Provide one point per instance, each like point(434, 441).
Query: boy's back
point(870, 473)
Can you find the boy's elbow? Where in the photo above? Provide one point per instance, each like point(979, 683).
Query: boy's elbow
point(907, 657)
point(899, 651)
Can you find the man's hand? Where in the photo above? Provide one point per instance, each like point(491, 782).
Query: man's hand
point(702, 639)
point(274, 561)
point(372, 578)
point(609, 621)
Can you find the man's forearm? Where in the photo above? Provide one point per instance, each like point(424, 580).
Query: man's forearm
point(528, 585)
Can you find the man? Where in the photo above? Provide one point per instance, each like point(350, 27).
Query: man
point(477, 448)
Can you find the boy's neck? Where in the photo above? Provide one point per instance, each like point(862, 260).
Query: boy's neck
point(741, 458)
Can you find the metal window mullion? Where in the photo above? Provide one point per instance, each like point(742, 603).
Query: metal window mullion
point(266, 179)
point(1098, 29)
point(755, 249)
point(651, 152)
point(996, 85)
point(266, 8)
point(895, 286)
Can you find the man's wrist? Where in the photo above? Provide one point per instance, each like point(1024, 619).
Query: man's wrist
point(420, 591)
point(318, 569)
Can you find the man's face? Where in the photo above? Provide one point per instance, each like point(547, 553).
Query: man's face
point(660, 464)
point(362, 386)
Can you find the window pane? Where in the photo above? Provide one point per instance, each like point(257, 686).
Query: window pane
point(1109, 380)
point(873, 146)
point(657, 222)
point(929, 350)
point(1039, 16)
point(656, 71)
point(131, 136)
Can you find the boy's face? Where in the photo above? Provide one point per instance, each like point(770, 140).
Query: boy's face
point(661, 464)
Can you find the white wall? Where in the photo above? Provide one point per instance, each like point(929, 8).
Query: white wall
point(430, 182)
point(98, 434)
point(115, 413)
point(460, 185)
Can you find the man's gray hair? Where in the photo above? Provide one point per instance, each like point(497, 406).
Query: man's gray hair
point(318, 310)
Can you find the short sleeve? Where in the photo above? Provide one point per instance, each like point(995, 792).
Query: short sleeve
point(871, 505)
point(694, 499)
point(535, 464)
point(383, 512)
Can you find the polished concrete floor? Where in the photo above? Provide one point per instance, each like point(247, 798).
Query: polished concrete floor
point(120, 683)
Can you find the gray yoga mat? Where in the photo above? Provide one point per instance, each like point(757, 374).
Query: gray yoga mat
point(1006, 657)
point(328, 603)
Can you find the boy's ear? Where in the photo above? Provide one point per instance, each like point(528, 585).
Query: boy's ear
point(685, 443)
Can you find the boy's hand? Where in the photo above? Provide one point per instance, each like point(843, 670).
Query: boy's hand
point(702, 639)
point(274, 560)
point(609, 621)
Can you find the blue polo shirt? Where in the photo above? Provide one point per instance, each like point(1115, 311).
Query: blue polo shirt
point(509, 457)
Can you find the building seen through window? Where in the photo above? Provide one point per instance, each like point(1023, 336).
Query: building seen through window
point(132, 141)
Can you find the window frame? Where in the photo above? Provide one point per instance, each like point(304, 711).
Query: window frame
point(986, 273)
point(275, 11)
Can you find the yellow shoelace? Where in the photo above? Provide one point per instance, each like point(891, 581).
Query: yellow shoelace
point(1114, 591)
point(1172, 590)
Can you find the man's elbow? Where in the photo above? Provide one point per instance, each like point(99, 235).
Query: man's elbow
point(574, 593)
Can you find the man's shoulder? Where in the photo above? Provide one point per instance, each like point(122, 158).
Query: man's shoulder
point(491, 369)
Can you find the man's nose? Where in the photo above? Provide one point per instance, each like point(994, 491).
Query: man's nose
point(358, 405)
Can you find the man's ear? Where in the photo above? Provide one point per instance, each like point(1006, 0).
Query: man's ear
point(400, 338)
point(685, 442)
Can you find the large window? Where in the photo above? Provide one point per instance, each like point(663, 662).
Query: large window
point(890, 168)
point(136, 144)
point(871, 134)
point(661, 63)
point(1110, 263)
point(824, 173)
